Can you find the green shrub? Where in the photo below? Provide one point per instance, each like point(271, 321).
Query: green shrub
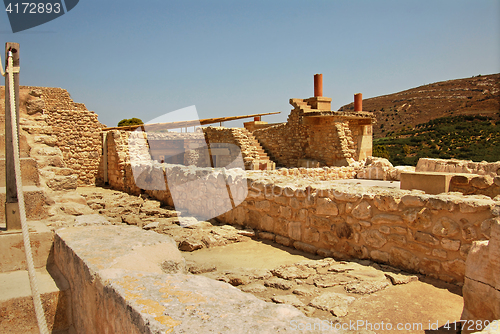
point(130, 121)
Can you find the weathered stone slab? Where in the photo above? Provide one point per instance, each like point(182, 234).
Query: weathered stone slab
point(430, 182)
point(120, 284)
point(335, 303)
point(288, 299)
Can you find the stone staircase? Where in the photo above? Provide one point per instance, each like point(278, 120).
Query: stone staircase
point(254, 156)
point(300, 104)
point(16, 302)
point(33, 192)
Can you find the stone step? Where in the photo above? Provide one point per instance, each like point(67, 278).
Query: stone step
point(251, 144)
point(34, 201)
point(16, 302)
point(29, 172)
point(36, 129)
point(12, 247)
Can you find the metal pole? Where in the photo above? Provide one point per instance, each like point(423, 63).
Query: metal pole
point(12, 216)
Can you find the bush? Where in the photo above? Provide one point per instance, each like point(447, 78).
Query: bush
point(130, 121)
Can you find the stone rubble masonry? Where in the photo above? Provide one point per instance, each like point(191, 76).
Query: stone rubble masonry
point(428, 234)
point(473, 184)
point(467, 177)
point(77, 129)
point(458, 166)
point(374, 168)
point(120, 174)
point(304, 208)
point(126, 280)
point(329, 137)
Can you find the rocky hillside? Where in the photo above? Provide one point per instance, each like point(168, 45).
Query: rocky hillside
point(478, 95)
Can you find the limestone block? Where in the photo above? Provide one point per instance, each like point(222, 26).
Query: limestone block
point(61, 182)
point(446, 227)
point(481, 290)
point(374, 238)
point(311, 235)
point(119, 279)
point(283, 241)
point(394, 174)
point(325, 206)
point(402, 258)
point(386, 218)
point(413, 200)
point(397, 239)
point(440, 253)
point(419, 248)
point(449, 244)
point(426, 238)
point(429, 267)
point(362, 211)
point(430, 182)
point(335, 303)
point(482, 182)
point(387, 202)
point(266, 236)
point(455, 267)
point(34, 106)
point(305, 247)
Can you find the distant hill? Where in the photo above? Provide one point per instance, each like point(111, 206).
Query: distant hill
point(478, 95)
point(465, 137)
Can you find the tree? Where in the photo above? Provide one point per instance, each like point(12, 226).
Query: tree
point(130, 121)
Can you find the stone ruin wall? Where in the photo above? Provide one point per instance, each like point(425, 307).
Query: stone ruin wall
point(119, 171)
point(458, 166)
point(77, 129)
point(472, 178)
point(241, 137)
point(428, 234)
point(118, 152)
point(289, 142)
point(330, 140)
point(218, 136)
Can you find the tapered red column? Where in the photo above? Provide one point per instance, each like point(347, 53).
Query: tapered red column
point(358, 102)
point(318, 85)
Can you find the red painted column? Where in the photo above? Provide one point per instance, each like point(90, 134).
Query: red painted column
point(256, 119)
point(318, 85)
point(358, 102)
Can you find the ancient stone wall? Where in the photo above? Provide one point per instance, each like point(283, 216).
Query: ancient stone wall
point(253, 155)
point(77, 129)
point(472, 184)
point(305, 209)
point(458, 166)
point(331, 138)
point(430, 234)
point(119, 170)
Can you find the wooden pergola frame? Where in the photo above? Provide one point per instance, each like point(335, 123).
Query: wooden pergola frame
point(185, 124)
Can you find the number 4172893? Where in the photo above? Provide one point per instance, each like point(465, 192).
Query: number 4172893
point(34, 8)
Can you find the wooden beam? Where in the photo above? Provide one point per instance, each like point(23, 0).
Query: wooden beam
point(184, 124)
point(12, 217)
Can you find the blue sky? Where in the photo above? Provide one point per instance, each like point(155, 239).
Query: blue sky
point(146, 58)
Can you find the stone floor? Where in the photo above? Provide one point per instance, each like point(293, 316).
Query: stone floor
point(346, 293)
